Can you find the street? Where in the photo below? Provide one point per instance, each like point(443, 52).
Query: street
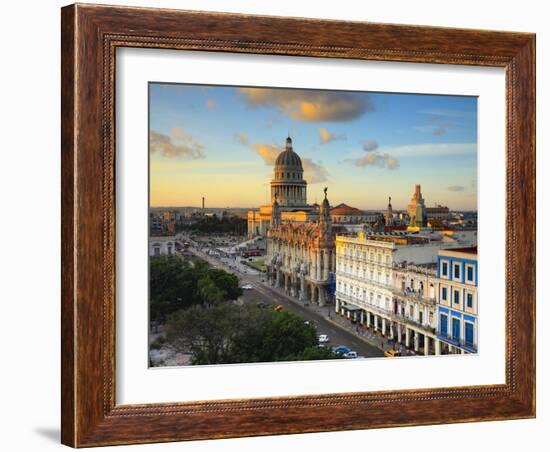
point(264, 293)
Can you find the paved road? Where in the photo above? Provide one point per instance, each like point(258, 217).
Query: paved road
point(269, 295)
point(337, 335)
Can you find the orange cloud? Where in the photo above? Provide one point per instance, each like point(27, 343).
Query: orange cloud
point(268, 152)
point(326, 136)
point(309, 105)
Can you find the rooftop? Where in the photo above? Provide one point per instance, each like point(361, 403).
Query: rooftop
point(344, 209)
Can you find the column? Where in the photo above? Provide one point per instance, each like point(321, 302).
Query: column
point(312, 293)
point(416, 341)
point(337, 305)
point(375, 322)
point(383, 326)
point(278, 278)
point(319, 272)
point(399, 337)
point(392, 333)
point(302, 296)
point(325, 265)
point(407, 337)
point(321, 296)
point(362, 320)
point(437, 344)
point(368, 319)
point(426, 345)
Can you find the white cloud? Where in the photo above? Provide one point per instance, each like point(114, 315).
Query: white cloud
point(179, 144)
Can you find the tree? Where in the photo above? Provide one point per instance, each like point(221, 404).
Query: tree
point(226, 282)
point(286, 335)
point(314, 353)
point(175, 284)
point(224, 333)
point(212, 333)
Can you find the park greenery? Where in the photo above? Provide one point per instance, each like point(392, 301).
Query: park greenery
point(196, 306)
point(233, 225)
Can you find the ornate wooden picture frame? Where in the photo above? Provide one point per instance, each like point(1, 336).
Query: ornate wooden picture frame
point(90, 37)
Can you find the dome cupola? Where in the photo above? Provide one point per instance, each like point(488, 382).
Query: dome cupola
point(288, 184)
point(288, 159)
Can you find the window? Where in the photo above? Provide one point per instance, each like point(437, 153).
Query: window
point(456, 296)
point(457, 271)
point(444, 268)
point(444, 293)
point(469, 333)
point(469, 300)
point(470, 273)
point(443, 324)
point(157, 251)
point(169, 250)
point(456, 329)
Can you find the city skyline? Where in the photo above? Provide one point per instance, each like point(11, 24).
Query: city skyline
point(221, 142)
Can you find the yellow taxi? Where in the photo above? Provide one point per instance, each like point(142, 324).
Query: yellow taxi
point(391, 353)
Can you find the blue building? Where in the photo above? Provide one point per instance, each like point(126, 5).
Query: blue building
point(457, 300)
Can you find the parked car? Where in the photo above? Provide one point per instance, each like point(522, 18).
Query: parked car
point(391, 353)
point(323, 338)
point(350, 355)
point(341, 349)
point(279, 308)
point(247, 287)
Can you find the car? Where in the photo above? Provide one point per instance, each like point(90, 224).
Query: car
point(279, 308)
point(323, 338)
point(247, 287)
point(341, 349)
point(391, 353)
point(350, 355)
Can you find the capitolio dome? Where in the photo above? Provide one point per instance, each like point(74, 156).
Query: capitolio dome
point(288, 158)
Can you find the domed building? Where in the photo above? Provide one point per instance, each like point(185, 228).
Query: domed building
point(288, 183)
point(289, 188)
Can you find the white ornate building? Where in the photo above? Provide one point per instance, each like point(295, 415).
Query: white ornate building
point(388, 282)
point(300, 256)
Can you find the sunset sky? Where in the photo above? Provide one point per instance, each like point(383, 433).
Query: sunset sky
point(221, 142)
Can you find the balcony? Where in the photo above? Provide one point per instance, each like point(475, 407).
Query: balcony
point(362, 304)
point(413, 296)
point(461, 343)
point(413, 323)
point(364, 280)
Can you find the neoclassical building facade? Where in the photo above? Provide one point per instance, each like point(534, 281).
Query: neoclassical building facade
point(301, 256)
point(388, 282)
point(289, 188)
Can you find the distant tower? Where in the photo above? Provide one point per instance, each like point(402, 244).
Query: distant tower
point(324, 214)
point(275, 213)
point(388, 217)
point(203, 203)
point(417, 209)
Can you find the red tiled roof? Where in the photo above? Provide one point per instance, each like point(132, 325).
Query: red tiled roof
point(344, 209)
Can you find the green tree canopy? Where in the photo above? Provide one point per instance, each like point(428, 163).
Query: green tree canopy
point(226, 333)
point(175, 284)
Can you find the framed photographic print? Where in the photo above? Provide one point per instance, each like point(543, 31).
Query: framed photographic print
point(281, 225)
